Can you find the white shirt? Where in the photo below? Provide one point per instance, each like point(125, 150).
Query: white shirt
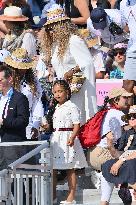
point(98, 60)
point(129, 17)
point(113, 15)
point(112, 122)
point(3, 101)
point(35, 104)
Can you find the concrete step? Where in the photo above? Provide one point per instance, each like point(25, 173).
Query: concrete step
point(89, 197)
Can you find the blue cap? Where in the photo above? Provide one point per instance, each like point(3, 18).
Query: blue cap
point(40, 24)
point(98, 17)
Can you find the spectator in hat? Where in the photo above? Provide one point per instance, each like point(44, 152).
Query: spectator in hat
point(122, 170)
point(116, 70)
point(17, 35)
point(101, 20)
point(111, 130)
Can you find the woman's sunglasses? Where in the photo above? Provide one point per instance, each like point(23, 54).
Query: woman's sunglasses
point(132, 116)
point(119, 52)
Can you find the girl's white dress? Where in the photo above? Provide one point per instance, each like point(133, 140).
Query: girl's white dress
point(77, 53)
point(66, 157)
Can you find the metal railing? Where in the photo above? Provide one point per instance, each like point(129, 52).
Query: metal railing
point(26, 184)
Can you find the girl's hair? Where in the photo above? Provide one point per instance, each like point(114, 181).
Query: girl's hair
point(65, 85)
point(61, 33)
point(51, 109)
point(29, 78)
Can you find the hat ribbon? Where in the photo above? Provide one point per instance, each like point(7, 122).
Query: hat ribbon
point(21, 60)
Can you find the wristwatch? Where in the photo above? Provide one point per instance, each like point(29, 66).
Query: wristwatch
point(123, 159)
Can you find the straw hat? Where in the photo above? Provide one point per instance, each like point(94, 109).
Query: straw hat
point(19, 59)
point(55, 14)
point(132, 112)
point(116, 92)
point(13, 13)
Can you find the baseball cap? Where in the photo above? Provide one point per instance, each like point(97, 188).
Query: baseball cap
point(98, 17)
point(116, 92)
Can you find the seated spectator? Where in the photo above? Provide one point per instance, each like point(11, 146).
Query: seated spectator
point(111, 130)
point(119, 57)
point(123, 169)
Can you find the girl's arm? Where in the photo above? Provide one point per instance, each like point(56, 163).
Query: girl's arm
point(82, 6)
point(76, 128)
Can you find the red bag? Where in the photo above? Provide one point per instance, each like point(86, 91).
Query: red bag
point(90, 132)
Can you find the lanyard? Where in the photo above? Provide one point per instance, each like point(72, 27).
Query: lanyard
point(10, 93)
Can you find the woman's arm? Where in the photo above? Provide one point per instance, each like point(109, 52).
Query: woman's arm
point(82, 6)
point(116, 166)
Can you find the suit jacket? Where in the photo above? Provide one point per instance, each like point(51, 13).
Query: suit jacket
point(17, 119)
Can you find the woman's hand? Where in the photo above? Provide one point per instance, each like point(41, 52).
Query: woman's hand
point(68, 75)
point(70, 142)
point(115, 167)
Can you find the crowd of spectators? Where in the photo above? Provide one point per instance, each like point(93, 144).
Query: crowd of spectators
point(77, 42)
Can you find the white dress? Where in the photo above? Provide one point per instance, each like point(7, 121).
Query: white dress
point(66, 157)
point(78, 54)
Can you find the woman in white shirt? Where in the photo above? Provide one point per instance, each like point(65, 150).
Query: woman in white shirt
point(69, 55)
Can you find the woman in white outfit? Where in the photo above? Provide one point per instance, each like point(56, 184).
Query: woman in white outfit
point(68, 53)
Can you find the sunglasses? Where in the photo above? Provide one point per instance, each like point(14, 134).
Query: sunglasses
point(132, 116)
point(119, 52)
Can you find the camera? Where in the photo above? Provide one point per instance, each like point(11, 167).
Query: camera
point(115, 29)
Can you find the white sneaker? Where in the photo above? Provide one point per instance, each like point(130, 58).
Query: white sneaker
point(68, 202)
point(55, 201)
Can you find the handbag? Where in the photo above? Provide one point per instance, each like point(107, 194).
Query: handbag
point(89, 39)
point(76, 82)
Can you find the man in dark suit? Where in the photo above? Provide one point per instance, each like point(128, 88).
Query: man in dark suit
point(14, 118)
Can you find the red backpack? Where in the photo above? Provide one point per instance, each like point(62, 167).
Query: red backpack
point(90, 132)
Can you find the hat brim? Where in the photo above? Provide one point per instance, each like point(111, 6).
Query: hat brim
point(127, 94)
point(13, 18)
point(56, 20)
point(18, 65)
point(101, 25)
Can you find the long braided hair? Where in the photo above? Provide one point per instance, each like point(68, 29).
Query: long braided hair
point(29, 78)
point(59, 33)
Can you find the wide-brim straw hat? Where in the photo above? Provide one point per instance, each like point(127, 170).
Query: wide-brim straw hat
point(13, 13)
point(55, 14)
point(19, 59)
point(116, 92)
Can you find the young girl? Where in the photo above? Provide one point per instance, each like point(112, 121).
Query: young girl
point(67, 151)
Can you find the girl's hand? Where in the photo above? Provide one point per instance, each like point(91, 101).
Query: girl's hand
point(70, 142)
point(115, 167)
